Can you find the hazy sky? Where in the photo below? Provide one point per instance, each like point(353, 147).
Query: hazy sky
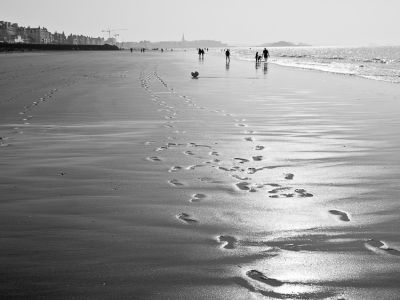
point(319, 22)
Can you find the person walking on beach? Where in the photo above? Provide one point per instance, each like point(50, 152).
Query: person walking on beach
point(256, 57)
point(227, 55)
point(265, 54)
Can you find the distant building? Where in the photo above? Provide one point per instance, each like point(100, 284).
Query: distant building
point(12, 33)
point(111, 41)
point(8, 32)
point(38, 35)
point(59, 38)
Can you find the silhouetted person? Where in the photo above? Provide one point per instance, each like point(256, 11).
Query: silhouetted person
point(256, 57)
point(199, 53)
point(131, 50)
point(202, 53)
point(227, 55)
point(265, 54)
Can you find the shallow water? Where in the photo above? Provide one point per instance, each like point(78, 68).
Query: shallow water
point(378, 63)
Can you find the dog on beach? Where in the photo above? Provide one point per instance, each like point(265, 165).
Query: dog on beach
point(195, 74)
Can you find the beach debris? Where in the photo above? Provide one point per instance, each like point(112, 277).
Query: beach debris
point(195, 74)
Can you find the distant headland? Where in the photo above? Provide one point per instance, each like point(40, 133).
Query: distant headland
point(284, 44)
point(183, 43)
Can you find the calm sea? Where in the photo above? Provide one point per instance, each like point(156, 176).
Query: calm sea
point(378, 63)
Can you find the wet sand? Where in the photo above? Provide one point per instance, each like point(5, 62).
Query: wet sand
point(123, 178)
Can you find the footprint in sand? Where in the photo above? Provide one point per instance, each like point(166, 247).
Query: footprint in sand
point(257, 275)
point(379, 246)
point(210, 180)
point(193, 167)
point(251, 170)
point(188, 152)
point(154, 158)
point(249, 132)
point(170, 144)
point(240, 178)
point(259, 147)
point(229, 242)
point(175, 182)
point(303, 193)
point(257, 158)
point(175, 169)
point(342, 215)
point(241, 125)
point(226, 169)
point(162, 148)
point(273, 184)
point(245, 186)
point(279, 189)
point(249, 139)
point(197, 197)
point(289, 195)
point(199, 145)
point(186, 218)
point(289, 176)
point(254, 170)
point(214, 153)
point(215, 160)
point(241, 160)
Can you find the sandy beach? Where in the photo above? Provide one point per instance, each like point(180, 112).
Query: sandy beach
point(124, 178)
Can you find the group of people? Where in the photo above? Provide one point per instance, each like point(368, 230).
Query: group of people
point(201, 52)
point(265, 54)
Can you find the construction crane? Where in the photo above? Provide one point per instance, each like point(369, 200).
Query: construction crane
point(112, 30)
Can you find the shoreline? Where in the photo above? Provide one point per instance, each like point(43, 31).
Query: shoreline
point(76, 48)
